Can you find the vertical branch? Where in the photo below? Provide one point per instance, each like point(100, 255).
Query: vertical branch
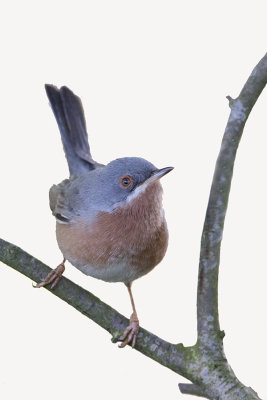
point(207, 296)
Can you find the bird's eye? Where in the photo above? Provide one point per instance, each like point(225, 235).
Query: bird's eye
point(126, 181)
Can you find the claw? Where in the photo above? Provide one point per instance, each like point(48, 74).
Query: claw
point(53, 277)
point(130, 333)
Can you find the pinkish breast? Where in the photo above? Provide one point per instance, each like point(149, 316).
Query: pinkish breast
point(119, 246)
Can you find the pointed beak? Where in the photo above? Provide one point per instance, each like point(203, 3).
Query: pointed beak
point(159, 173)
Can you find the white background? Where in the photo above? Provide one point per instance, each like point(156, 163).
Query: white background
point(153, 77)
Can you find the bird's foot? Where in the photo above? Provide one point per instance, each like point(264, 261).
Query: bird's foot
point(53, 277)
point(130, 333)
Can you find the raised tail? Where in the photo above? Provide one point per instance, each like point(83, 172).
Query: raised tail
point(68, 111)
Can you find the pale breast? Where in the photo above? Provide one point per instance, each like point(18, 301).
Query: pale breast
point(119, 246)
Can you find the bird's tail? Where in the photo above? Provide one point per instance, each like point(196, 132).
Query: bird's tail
point(68, 111)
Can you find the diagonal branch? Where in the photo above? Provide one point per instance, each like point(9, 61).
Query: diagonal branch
point(170, 355)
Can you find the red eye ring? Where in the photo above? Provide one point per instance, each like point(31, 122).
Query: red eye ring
point(126, 181)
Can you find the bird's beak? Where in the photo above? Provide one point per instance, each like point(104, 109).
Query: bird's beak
point(158, 173)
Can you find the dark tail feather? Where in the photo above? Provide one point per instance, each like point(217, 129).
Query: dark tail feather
point(68, 111)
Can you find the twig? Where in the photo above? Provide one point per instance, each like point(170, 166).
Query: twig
point(190, 388)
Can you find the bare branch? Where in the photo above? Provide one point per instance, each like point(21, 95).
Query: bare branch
point(167, 354)
point(207, 303)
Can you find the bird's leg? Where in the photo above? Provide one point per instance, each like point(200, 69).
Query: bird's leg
point(53, 276)
point(130, 333)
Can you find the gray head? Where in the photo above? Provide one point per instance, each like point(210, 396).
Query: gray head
point(124, 178)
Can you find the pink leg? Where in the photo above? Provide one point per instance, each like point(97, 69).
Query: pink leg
point(130, 333)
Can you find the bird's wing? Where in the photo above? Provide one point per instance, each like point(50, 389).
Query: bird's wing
point(68, 111)
point(60, 203)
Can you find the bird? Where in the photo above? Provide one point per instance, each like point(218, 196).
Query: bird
point(110, 222)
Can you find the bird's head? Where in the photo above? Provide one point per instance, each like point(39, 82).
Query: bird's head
point(125, 179)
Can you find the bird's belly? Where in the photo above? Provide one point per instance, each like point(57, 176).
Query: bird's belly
point(116, 271)
point(120, 257)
